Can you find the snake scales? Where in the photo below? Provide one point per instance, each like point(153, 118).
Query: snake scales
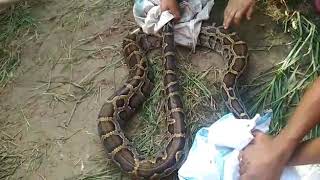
point(120, 107)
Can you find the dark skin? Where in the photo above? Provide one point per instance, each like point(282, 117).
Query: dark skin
point(266, 157)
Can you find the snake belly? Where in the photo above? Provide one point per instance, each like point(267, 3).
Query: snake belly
point(124, 103)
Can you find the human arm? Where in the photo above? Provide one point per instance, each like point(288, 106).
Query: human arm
point(305, 117)
point(236, 9)
point(266, 157)
point(308, 152)
point(172, 6)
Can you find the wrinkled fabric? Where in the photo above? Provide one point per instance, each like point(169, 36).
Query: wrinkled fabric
point(148, 16)
point(214, 152)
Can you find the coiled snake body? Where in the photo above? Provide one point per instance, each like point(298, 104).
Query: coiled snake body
point(120, 107)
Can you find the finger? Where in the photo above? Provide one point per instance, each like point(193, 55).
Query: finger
point(226, 13)
point(175, 10)
point(249, 12)
point(163, 6)
point(176, 15)
point(237, 18)
point(228, 19)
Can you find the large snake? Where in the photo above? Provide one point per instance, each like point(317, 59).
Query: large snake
point(121, 106)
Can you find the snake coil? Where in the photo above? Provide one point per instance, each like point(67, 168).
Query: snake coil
point(120, 107)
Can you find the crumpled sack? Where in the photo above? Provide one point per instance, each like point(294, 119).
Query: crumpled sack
point(148, 16)
point(214, 152)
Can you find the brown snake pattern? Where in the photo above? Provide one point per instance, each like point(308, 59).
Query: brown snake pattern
point(120, 107)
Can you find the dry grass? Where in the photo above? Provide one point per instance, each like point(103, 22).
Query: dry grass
point(16, 22)
point(15, 157)
point(201, 99)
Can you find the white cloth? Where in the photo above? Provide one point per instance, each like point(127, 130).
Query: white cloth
point(147, 14)
point(309, 172)
point(215, 150)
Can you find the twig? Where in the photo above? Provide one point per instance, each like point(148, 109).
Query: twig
point(10, 137)
point(55, 97)
point(106, 32)
point(64, 139)
point(65, 82)
point(101, 69)
point(42, 177)
point(66, 124)
point(17, 133)
point(25, 118)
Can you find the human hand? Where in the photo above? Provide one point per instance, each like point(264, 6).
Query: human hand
point(235, 10)
point(263, 159)
point(172, 6)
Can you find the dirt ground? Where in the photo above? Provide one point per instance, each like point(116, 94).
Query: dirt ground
point(72, 62)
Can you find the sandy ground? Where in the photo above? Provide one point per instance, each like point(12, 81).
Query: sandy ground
point(63, 81)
